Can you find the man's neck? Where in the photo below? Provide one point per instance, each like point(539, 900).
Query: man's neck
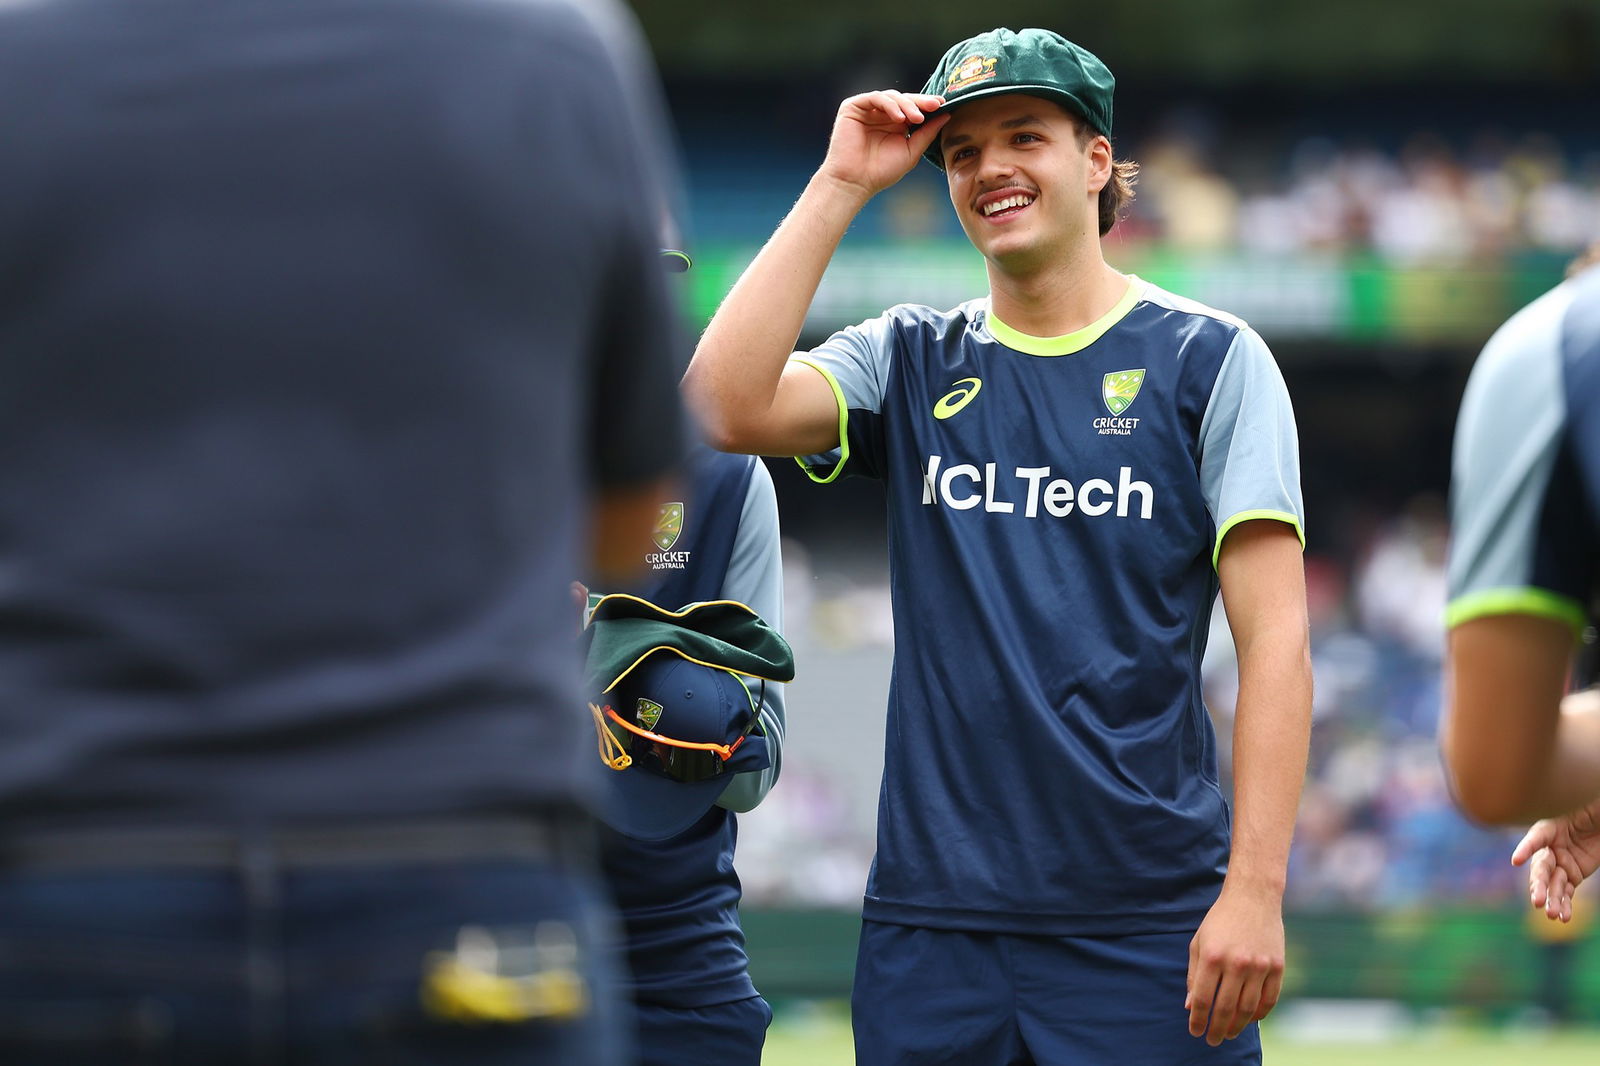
point(1059, 300)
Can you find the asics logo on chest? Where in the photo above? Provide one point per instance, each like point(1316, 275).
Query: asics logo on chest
point(962, 393)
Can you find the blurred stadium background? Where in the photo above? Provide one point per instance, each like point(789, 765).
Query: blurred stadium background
point(1375, 185)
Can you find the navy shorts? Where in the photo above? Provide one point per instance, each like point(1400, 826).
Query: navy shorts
point(941, 997)
point(728, 1034)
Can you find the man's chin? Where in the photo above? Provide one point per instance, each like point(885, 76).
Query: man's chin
point(1017, 260)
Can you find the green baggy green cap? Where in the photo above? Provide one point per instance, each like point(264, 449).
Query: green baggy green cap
point(1037, 62)
point(624, 631)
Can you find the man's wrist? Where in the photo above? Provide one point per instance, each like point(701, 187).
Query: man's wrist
point(835, 192)
point(1259, 884)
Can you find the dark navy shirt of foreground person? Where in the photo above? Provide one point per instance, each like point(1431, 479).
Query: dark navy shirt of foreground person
point(679, 897)
point(299, 403)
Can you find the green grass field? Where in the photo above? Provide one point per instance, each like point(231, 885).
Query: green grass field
point(822, 1038)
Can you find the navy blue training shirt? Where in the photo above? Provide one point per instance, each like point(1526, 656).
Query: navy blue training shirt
point(1056, 507)
point(320, 322)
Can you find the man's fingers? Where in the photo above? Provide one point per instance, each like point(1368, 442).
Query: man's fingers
point(895, 106)
point(923, 135)
point(1224, 1006)
point(914, 104)
point(1534, 840)
point(905, 108)
point(1271, 989)
point(1192, 975)
point(1555, 890)
point(1249, 1002)
point(1202, 990)
point(1539, 872)
point(1225, 996)
point(1260, 982)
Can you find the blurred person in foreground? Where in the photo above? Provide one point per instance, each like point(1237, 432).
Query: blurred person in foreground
point(315, 394)
point(692, 666)
point(1521, 733)
point(1074, 464)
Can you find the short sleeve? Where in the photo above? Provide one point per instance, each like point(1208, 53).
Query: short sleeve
point(1249, 450)
point(855, 361)
point(1510, 524)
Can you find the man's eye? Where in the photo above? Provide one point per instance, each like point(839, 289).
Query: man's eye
point(1023, 138)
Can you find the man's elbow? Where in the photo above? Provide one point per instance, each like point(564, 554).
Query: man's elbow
point(726, 435)
point(1489, 794)
point(720, 424)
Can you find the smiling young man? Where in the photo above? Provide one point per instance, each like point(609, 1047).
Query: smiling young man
point(1074, 466)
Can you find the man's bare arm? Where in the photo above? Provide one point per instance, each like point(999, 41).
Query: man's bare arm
point(1236, 959)
point(739, 383)
point(1512, 755)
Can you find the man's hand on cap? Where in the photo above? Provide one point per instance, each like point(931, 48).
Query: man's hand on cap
point(879, 136)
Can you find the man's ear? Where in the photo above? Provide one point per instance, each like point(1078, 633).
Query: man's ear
point(1100, 163)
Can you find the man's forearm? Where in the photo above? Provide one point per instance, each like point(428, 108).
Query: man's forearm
point(1271, 736)
point(733, 378)
point(1516, 751)
point(1573, 779)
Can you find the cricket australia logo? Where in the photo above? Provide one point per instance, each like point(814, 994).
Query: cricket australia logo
point(647, 713)
point(972, 70)
point(669, 527)
point(1119, 389)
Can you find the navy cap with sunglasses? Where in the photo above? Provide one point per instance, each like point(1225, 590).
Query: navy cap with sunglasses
point(686, 729)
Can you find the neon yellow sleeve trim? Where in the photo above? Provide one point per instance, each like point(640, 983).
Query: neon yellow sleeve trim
point(1541, 603)
point(844, 419)
point(1251, 516)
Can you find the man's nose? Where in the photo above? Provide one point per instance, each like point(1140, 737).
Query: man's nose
point(993, 165)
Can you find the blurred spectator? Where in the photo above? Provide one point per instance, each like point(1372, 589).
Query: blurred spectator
point(1400, 588)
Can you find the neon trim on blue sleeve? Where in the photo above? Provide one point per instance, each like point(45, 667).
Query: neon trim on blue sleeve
point(1251, 516)
point(844, 420)
point(1541, 603)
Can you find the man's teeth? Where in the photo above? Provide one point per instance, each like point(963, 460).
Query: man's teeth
point(1010, 201)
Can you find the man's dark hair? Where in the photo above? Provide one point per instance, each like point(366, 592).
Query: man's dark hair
point(1118, 192)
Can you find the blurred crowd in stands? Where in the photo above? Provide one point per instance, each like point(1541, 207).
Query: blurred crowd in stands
point(1426, 199)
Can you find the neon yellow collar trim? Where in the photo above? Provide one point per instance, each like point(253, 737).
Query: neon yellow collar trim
point(1068, 343)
